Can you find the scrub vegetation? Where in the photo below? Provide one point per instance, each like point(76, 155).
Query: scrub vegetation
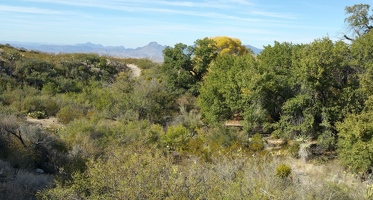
point(213, 121)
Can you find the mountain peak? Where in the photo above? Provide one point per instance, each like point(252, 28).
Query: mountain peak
point(153, 44)
point(90, 44)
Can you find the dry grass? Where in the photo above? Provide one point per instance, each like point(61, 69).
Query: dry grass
point(148, 174)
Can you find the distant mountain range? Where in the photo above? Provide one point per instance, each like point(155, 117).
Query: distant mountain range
point(151, 51)
point(255, 50)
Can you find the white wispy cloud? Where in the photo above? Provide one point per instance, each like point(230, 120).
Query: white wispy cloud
point(33, 10)
point(242, 2)
point(273, 14)
point(203, 8)
point(111, 3)
point(200, 4)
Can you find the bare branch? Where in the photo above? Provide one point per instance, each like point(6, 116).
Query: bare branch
point(348, 38)
point(17, 134)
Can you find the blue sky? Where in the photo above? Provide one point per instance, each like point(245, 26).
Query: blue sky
point(135, 23)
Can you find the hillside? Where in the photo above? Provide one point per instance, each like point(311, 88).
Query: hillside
point(156, 131)
point(152, 51)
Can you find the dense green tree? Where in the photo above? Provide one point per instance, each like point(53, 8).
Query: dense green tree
point(204, 52)
point(273, 84)
point(184, 66)
point(177, 67)
point(362, 54)
point(226, 87)
point(322, 69)
point(355, 131)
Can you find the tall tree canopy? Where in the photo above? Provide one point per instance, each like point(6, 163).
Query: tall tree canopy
point(177, 67)
point(360, 21)
point(184, 66)
point(321, 69)
point(226, 86)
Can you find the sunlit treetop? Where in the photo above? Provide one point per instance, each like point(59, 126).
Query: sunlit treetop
point(228, 45)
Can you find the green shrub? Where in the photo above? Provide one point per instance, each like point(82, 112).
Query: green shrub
point(176, 137)
point(256, 143)
point(283, 171)
point(32, 103)
point(355, 142)
point(49, 88)
point(153, 134)
point(51, 107)
point(69, 113)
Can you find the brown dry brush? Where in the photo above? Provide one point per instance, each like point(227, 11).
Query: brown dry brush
point(138, 172)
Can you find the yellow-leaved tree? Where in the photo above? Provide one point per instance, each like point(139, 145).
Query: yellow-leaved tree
point(228, 45)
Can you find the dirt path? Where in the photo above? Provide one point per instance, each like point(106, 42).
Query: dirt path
point(136, 71)
point(51, 122)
